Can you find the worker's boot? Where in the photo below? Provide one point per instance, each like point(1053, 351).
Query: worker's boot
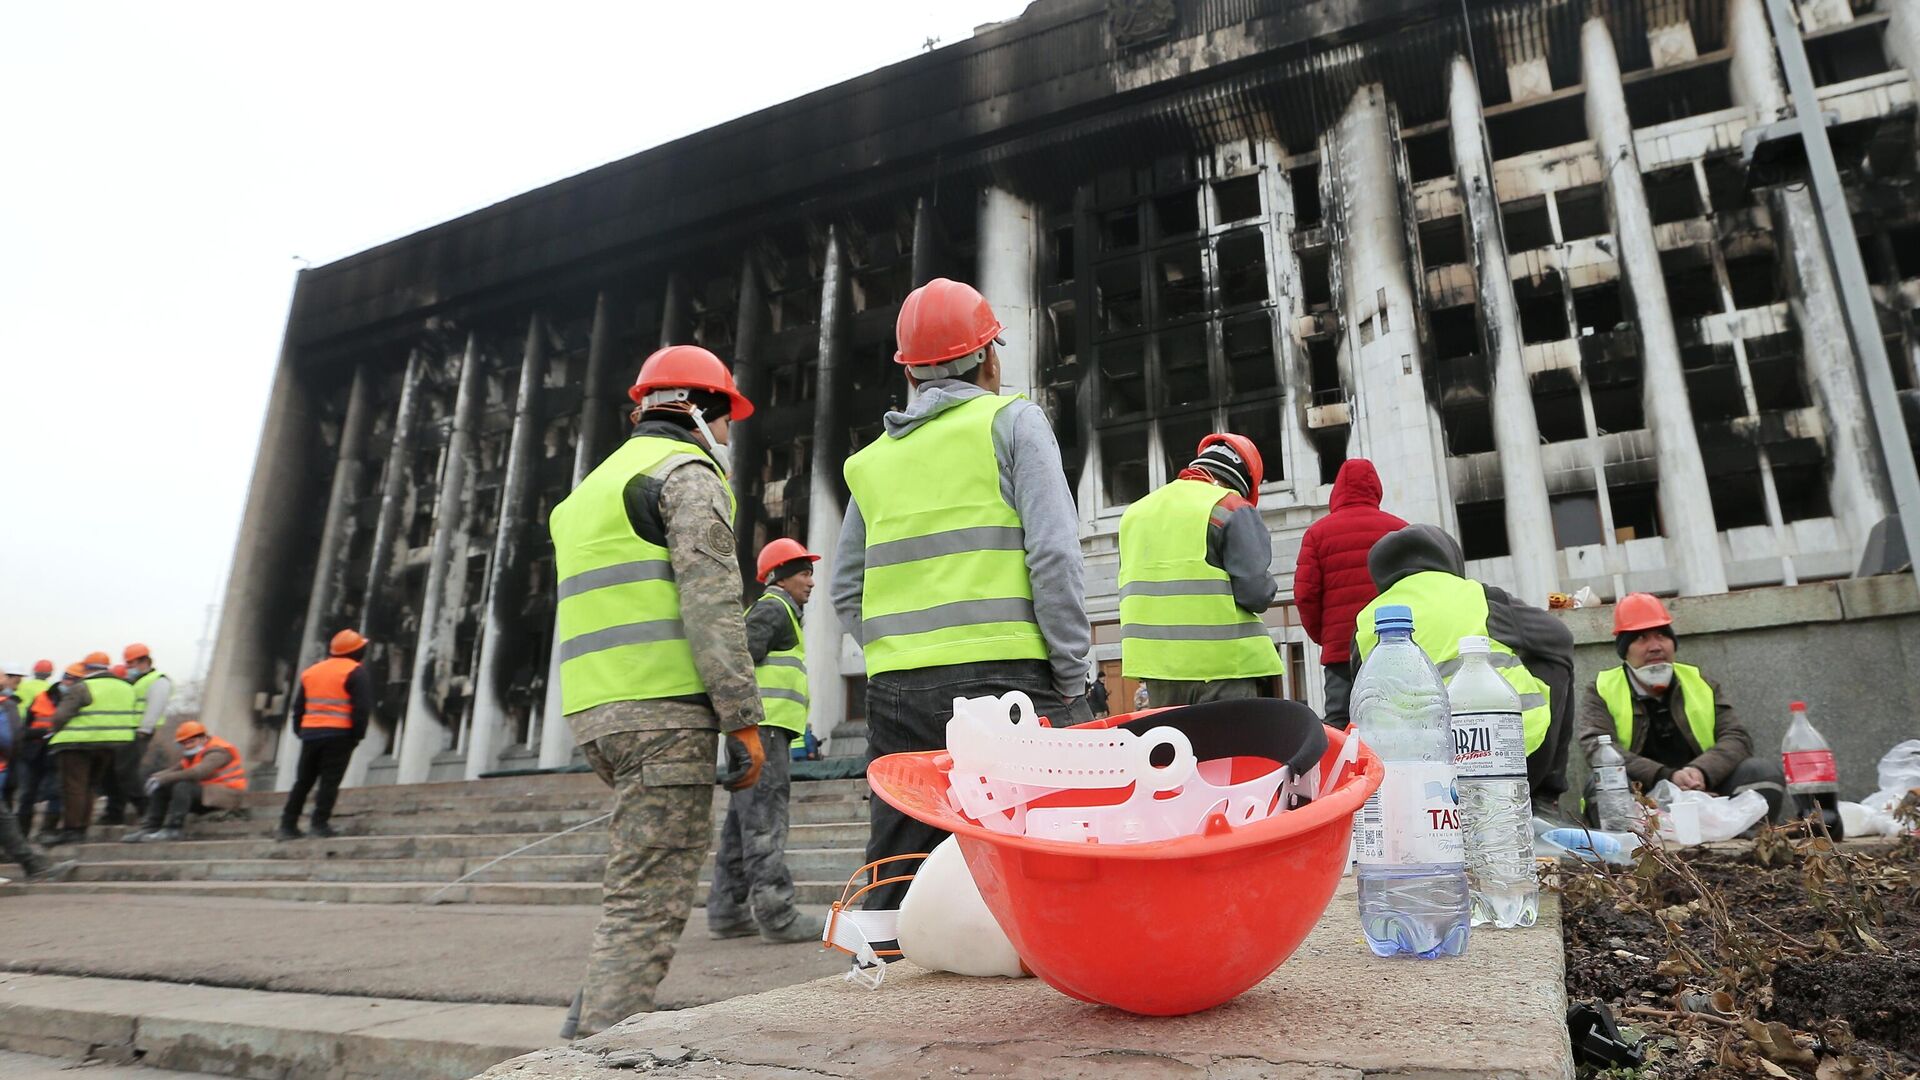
point(742, 928)
point(65, 836)
point(137, 835)
point(288, 832)
point(322, 831)
point(804, 927)
point(158, 836)
point(42, 871)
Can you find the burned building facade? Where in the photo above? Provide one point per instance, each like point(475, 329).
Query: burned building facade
point(1512, 251)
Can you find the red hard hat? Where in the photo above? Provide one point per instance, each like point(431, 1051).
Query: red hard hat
point(1249, 453)
point(943, 320)
point(689, 367)
point(119, 671)
point(778, 553)
point(191, 729)
point(136, 651)
point(43, 667)
point(1639, 611)
point(346, 641)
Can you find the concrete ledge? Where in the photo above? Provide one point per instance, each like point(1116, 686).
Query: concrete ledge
point(1757, 609)
point(262, 1034)
point(1332, 1011)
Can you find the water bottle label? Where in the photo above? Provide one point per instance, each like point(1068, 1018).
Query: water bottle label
point(1610, 778)
point(1489, 746)
point(1810, 767)
point(1413, 818)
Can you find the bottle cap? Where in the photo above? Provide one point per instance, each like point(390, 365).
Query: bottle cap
point(1604, 739)
point(1475, 646)
point(1392, 617)
point(1797, 706)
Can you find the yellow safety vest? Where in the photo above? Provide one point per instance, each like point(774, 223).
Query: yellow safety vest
point(1177, 615)
point(782, 676)
point(110, 718)
point(1696, 698)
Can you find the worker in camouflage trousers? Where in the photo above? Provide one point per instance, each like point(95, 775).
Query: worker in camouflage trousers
point(752, 889)
point(653, 660)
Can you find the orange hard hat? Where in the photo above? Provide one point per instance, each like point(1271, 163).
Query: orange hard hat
point(689, 367)
point(189, 729)
point(119, 671)
point(97, 660)
point(943, 320)
point(778, 553)
point(135, 651)
point(43, 667)
point(1639, 611)
point(346, 641)
point(1231, 446)
point(76, 670)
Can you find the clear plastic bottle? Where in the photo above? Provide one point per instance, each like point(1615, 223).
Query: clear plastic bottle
point(1409, 854)
point(1813, 782)
point(1612, 796)
point(1490, 758)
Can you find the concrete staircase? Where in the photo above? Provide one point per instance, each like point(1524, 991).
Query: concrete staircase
point(403, 844)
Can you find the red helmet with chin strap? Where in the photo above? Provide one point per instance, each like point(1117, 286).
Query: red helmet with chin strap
point(689, 367)
point(779, 553)
point(943, 320)
point(1249, 455)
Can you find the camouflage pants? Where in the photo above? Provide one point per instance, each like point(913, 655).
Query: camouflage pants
point(662, 815)
point(751, 883)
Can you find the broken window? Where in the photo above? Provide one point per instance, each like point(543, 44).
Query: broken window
point(1455, 330)
point(1119, 295)
point(1803, 490)
point(1779, 378)
point(1123, 464)
point(1754, 280)
point(1526, 225)
point(1692, 290)
point(1178, 214)
point(1483, 529)
point(1261, 423)
point(1443, 242)
point(1120, 229)
point(1540, 125)
point(1739, 498)
point(1844, 55)
point(1576, 519)
point(1468, 426)
point(1323, 370)
point(1543, 317)
point(1061, 253)
point(1636, 510)
point(1672, 194)
point(1184, 379)
point(1557, 411)
point(1241, 260)
point(1726, 183)
point(1305, 181)
point(1180, 436)
point(1181, 292)
point(1237, 199)
point(1429, 155)
point(1583, 212)
point(1123, 379)
point(1316, 279)
point(1715, 394)
point(1617, 408)
point(1248, 344)
point(1330, 444)
point(1598, 309)
point(1677, 93)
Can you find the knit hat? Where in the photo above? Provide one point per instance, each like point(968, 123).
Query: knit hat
point(1626, 638)
point(1221, 463)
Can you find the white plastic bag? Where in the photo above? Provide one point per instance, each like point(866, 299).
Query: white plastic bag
point(1698, 817)
point(945, 925)
point(1900, 768)
point(1875, 813)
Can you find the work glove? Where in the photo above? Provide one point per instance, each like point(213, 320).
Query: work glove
point(153, 783)
point(745, 756)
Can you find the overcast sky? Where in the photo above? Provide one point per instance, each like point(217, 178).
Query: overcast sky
point(166, 162)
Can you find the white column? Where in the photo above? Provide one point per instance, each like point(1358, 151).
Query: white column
point(1394, 424)
point(490, 734)
point(1686, 510)
point(826, 690)
point(1903, 34)
point(1754, 73)
point(1008, 239)
point(423, 731)
point(330, 568)
point(556, 737)
point(1302, 457)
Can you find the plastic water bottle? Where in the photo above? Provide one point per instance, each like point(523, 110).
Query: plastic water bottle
point(1813, 782)
point(1409, 854)
point(1612, 798)
point(1490, 757)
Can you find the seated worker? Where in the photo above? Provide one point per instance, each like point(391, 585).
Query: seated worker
point(1421, 567)
point(1669, 721)
point(209, 777)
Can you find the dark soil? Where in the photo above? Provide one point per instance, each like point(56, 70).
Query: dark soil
point(1780, 953)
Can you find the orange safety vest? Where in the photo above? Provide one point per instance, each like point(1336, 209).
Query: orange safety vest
point(233, 776)
point(42, 712)
point(328, 703)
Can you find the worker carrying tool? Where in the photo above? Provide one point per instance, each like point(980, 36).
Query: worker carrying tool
point(653, 659)
point(94, 720)
point(752, 889)
point(333, 703)
point(959, 566)
point(1196, 571)
point(210, 777)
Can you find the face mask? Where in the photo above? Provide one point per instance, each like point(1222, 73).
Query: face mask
point(1654, 678)
point(714, 446)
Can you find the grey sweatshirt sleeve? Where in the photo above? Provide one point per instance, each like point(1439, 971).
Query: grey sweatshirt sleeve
point(158, 694)
point(850, 571)
point(1035, 484)
point(1244, 550)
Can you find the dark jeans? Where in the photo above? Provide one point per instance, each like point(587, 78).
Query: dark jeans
point(1162, 693)
point(909, 710)
point(751, 882)
point(36, 779)
point(171, 803)
point(325, 761)
point(1339, 684)
point(86, 770)
point(128, 786)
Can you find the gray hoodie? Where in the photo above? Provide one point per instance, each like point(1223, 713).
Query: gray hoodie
point(1537, 637)
point(1034, 483)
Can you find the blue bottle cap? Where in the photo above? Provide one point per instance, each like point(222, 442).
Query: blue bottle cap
point(1393, 617)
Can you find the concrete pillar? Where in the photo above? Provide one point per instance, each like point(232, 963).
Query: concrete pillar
point(1903, 35)
point(1860, 493)
point(506, 573)
point(1394, 423)
point(1008, 242)
point(674, 328)
point(243, 659)
point(423, 731)
point(556, 738)
point(1516, 433)
point(749, 373)
point(825, 688)
point(1686, 511)
point(1754, 72)
point(925, 255)
point(330, 569)
point(393, 497)
point(1303, 457)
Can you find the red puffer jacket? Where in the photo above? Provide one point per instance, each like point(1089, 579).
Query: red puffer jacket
point(1330, 582)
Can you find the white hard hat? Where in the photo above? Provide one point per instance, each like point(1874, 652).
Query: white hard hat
point(12, 668)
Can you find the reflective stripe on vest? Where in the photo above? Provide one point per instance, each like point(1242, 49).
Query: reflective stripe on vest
point(140, 687)
point(39, 717)
point(1696, 698)
point(946, 563)
point(109, 719)
point(1445, 609)
point(1177, 615)
point(328, 705)
point(782, 676)
point(233, 776)
point(620, 637)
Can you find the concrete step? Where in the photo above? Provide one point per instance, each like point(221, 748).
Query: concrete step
point(571, 791)
point(808, 811)
point(590, 841)
point(262, 1034)
point(804, 862)
point(400, 892)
